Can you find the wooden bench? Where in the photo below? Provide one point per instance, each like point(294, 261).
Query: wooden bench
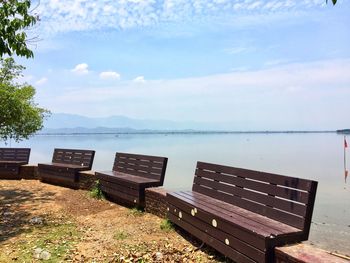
point(65, 167)
point(11, 160)
point(242, 213)
point(131, 174)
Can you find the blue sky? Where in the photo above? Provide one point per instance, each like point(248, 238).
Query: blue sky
point(251, 64)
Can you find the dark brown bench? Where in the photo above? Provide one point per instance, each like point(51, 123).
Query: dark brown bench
point(242, 213)
point(11, 160)
point(131, 174)
point(65, 167)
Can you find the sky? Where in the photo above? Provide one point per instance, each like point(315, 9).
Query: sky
point(251, 64)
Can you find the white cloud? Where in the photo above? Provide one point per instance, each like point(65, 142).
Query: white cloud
point(81, 69)
point(139, 79)
point(288, 96)
point(109, 75)
point(41, 81)
point(69, 15)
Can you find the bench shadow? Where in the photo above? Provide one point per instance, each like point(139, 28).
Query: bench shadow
point(16, 207)
point(202, 246)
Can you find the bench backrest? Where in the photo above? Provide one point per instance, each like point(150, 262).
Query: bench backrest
point(286, 199)
point(15, 154)
point(82, 158)
point(141, 165)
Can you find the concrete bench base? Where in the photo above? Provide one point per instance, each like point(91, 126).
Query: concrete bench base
point(302, 253)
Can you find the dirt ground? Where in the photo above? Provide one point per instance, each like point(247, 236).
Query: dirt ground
point(42, 222)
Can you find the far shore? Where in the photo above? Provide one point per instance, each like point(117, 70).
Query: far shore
point(171, 132)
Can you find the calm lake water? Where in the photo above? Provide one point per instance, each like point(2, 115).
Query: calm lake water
point(316, 156)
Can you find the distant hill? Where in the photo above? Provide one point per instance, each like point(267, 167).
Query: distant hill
point(344, 131)
point(62, 122)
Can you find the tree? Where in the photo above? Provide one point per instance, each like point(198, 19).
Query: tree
point(20, 117)
point(15, 17)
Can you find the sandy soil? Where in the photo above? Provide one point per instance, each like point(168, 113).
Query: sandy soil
point(89, 230)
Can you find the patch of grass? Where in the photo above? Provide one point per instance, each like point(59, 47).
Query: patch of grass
point(135, 211)
point(57, 237)
point(96, 191)
point(166, 225)
point(121, 235)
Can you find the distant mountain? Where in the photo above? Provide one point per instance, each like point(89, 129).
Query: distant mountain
point(344, 131)
point(63, 123)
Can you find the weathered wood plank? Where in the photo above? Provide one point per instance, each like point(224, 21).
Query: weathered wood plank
point(232, 241)
point(242, 214)
point(259, 197)
point(275, 190)
point(212, 241)
point(286, 181)
point(246, 231)
point(281, 216)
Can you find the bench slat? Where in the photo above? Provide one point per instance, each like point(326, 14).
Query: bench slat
point(140, 162)
point(275, 227)
point(141, 165)
point(234, 242)
point(127, 179)
point(281, 180)
point(74, 156)
point(238, 190)
point(138, 170)
point(116, 195)
point(278, 215)
point(255, 222)
point(15, 154)
point(252, 234)
point(224, 249)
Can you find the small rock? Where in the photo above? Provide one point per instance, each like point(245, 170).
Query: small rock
point(45, 255)
point(7, 213)
point(36, 220)
point(159, 256)
point(37, 252)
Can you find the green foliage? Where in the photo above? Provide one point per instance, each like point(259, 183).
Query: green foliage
point(14, 18)
point(166, 225)
point(20, 117)
point(135, 211)
point(333, 1)
point(96, 192)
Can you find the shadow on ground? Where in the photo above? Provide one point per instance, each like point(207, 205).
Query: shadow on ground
point(16, 210)
point(201, 246)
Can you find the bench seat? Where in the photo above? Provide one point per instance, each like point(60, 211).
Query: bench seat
point(123, 178)
point(65, 167)
point(130, 176)
point(226, 211)
point(11, 160)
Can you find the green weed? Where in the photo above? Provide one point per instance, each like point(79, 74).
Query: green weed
point(166, 225)
point(135, 212)
point(121, 235)
point(96, 191)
